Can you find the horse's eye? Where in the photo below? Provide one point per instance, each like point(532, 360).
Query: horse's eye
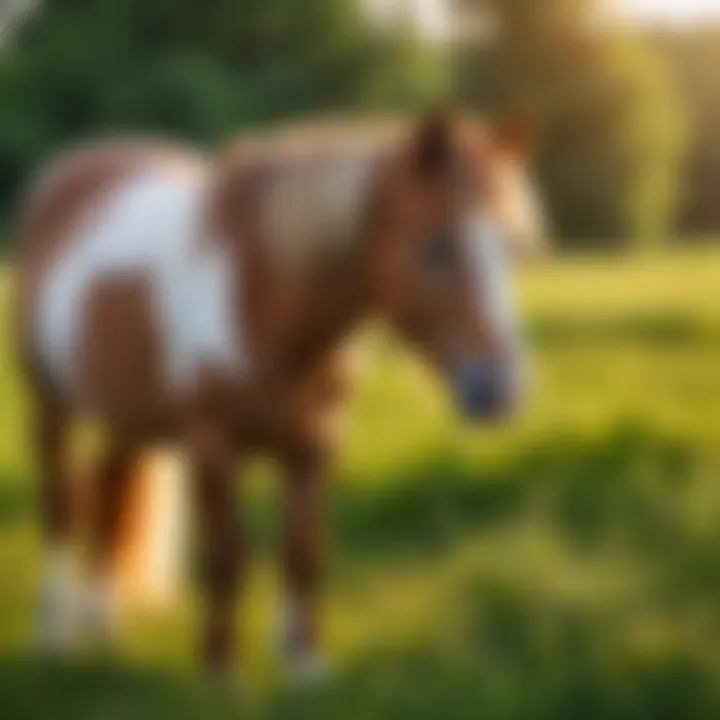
point(438, 255)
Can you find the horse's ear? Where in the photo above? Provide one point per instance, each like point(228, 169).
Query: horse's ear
point(514, 134)
point(433, 142)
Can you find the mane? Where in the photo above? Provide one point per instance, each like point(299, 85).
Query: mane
point(320, 175)
point(310, 136)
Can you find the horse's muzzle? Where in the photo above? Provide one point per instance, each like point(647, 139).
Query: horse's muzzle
point(487, 390)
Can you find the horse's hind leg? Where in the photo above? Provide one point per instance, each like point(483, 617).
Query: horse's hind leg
point(112, 486)
point(59, 592)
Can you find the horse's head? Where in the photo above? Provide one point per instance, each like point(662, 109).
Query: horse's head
point(449, 210)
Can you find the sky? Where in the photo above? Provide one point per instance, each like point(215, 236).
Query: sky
point(674, 12)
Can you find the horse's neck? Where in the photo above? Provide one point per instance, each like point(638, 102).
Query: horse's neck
point(311, 315)
point(303, 276)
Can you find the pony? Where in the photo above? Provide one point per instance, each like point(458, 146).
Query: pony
point(202, 303)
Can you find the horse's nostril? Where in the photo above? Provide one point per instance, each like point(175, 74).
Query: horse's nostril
point(485, 391)
point(485, 399)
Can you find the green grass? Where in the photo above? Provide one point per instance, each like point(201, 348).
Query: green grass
point(567, 566)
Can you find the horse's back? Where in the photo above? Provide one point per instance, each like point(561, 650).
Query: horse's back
point(79, 176)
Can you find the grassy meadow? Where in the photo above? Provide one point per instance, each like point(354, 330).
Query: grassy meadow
point(565, 566)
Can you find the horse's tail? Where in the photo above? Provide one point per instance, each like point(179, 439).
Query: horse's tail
point(148, 549)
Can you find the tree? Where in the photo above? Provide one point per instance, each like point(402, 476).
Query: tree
point(199, 70)
point(612, 130)
point(695, 59)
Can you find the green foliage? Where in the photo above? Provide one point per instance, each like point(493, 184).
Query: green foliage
point(695, 61)
point(606, 108)
point(197, 70)
point(627, 119)
point(652, 136)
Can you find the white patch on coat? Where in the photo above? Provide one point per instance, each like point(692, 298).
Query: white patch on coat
point(148, 226)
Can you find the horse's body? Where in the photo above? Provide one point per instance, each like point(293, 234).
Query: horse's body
point(139, 295)
point(205, 304)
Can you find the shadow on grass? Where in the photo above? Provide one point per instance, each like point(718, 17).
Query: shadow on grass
point(35, 688)
point(509, 656)
point(624, 485)
point(527, 682)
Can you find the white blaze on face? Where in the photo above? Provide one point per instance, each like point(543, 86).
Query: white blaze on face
point(486, 257)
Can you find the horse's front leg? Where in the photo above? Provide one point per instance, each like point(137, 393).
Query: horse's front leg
point(303, 549)
point(220, 556)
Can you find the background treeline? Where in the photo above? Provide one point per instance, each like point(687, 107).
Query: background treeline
point(694, 59)
point(197, 69)
point(626, 119)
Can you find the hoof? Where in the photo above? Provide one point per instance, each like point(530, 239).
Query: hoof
point(59, 607)
point(223, 681)
point(58, 624)
point(307, 669)
point(100, 616)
